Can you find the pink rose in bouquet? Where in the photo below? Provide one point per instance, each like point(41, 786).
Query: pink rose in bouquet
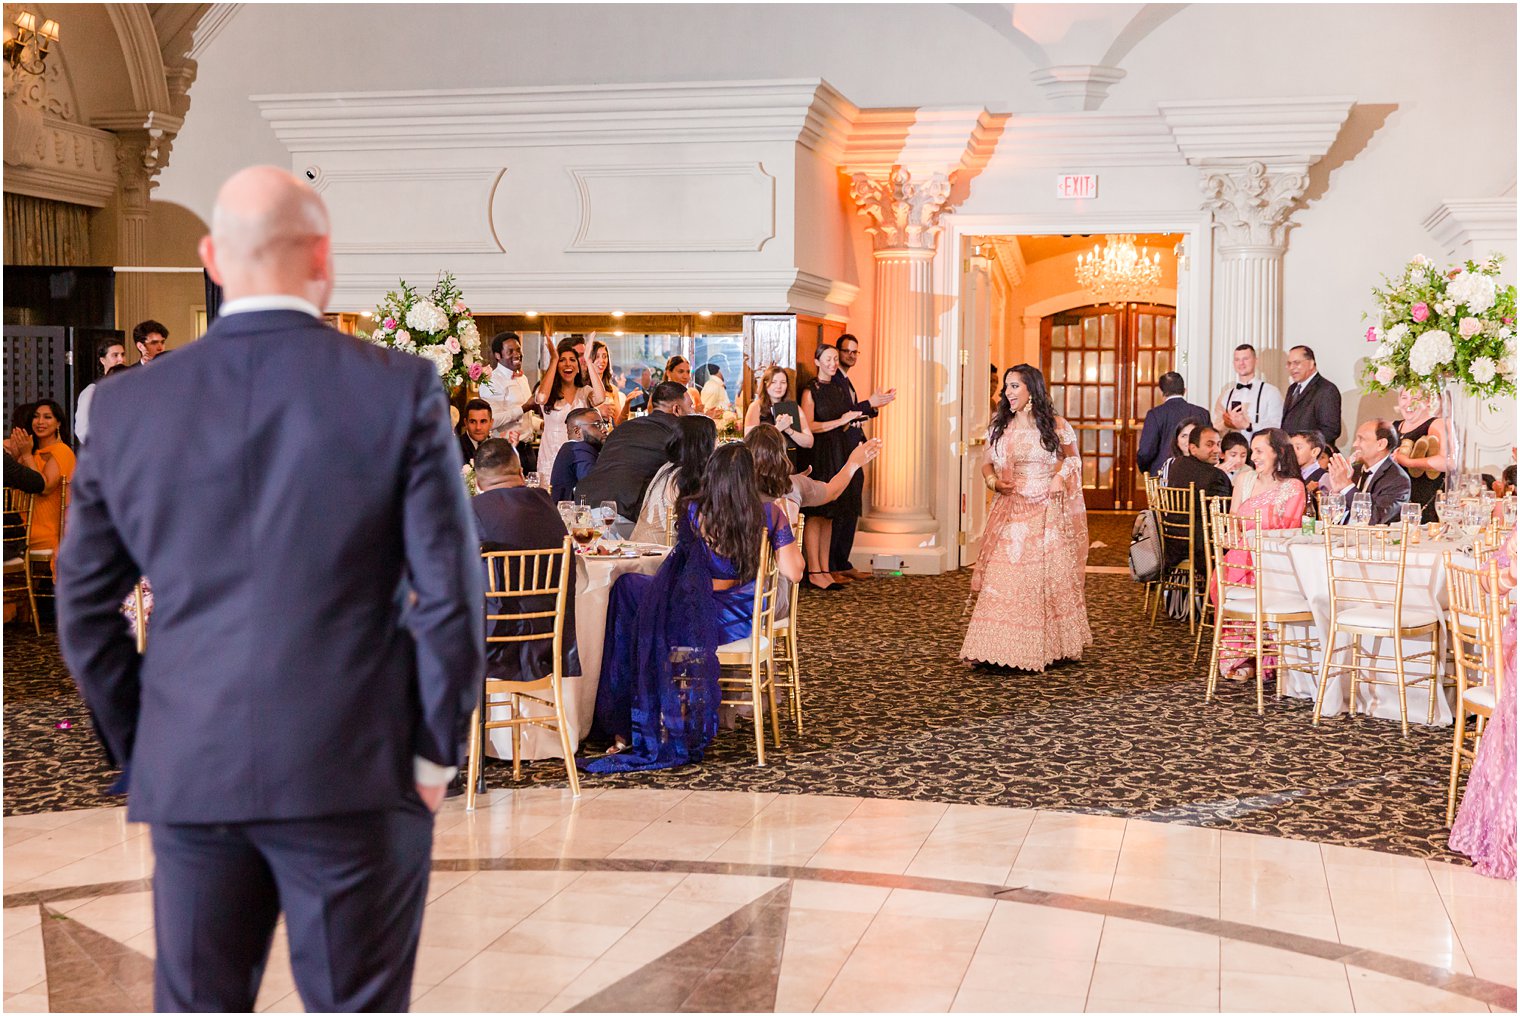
point(1420, 312)
point(476, 370)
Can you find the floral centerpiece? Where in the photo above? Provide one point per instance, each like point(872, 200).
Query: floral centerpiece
point(728, 426)
point(467, 474)
point(1444, 332)
point(437, 327)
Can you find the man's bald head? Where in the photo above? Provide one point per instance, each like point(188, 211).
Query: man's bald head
point(269, 234)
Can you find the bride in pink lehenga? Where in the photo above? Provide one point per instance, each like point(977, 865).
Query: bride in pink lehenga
point(1031, 607)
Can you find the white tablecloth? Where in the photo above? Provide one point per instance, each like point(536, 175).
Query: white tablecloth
point(1295, 564)
point(594, 577)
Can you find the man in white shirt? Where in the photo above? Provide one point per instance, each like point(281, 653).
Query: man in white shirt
point(714, 391)
point(506, 388)
point(1377, 474)
point(1250, 403)
point(112, 352)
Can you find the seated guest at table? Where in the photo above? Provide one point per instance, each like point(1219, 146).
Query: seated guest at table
point(1234, 454)
point(509, 515)
point(1375, 473)
point(1422, 439)
point(474, 428)
point(635, 451)
point(51, 456)
point(1277, 499)
point(681, 477)
point(1506, 483)
point(1161, 421)
point(1197, 470)
point(795, 491)
point(577, 457)
point(1308, 446)
point(1179, 449)
point(658, 693)
point(19, 477)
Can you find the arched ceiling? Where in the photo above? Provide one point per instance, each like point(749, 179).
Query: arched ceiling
point(1059, 35)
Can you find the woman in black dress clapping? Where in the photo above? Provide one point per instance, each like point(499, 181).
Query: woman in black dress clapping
point(827, 411)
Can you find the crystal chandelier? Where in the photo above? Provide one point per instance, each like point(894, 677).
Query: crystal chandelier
point(1118, 271)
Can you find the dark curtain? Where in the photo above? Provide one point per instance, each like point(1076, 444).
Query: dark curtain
point(213, 300)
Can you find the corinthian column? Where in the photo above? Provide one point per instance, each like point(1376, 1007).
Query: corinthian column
point(1251, 207)
point(904, 226)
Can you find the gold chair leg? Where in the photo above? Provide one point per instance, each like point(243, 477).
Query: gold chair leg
point(1435, 676)
point(1214, 651)
point(1160, 595)
point(566, 745)
point(1261, 670)
point(514, 708)
point(1198, 638)
point(472, 763)
point(31, 593)
point(1459, 724)
point(770, 691)
point(794, 665)
point(1398, 667)
point(1324, 676)
point(754, 698)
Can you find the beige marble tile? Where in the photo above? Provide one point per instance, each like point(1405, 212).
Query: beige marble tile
point(1021, 931)
point(808, 968)
point(534, 974)
point(688, 916)
point(1135, 986)
point(668, 840)
point(904, 965)
point(724, 888)
point(826, 926)
point(915, 903)
point(650, 884)
point(586, 939)
point(1199, 897)
point(719, 808)
point(852, 995)
point(23, 964)
point(970, 1000)
point(1374, 992)
point(465, 998)
point(922, 934)
point(452, 930)
point(436, 963)
point(1257, 992)
point(1423, 943)
point(1016, 975)
point(1147, 945)
point(18, 919)
point(27, 1001)
point(1250, 958)
point(1284, 897)
point(1059, 880)
point(615, 911)
point(809, 894)
point(1161, 862)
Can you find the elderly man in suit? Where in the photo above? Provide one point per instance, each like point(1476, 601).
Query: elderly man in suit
point(1375, 473)
point(318, 640)
point(1158, 433)
point(1313, 403)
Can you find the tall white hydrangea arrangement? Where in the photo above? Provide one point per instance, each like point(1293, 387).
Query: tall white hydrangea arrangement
point(437, 327)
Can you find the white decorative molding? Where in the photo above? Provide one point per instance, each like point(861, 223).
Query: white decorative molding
point(806, 111)
point(211, 25)
point(923, 141)
point(693, 208)
point(1252, 205)
point(51, 92)
point(63, 162)
point(1283, 133)
point(431, 210)
point(1076, 86)
point(1473, 225)
point(1087, 140)
point(142, 55)
point(903, 214)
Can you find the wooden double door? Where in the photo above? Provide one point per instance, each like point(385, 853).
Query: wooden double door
point(1101, 365)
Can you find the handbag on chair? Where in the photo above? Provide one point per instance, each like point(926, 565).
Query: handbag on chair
point(1146, 559)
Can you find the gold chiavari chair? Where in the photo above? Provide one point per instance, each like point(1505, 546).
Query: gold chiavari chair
point(1247, 611)
point(1174, 507)
point(17, 529)
point(43, 557)
point(513, 576)
point(747, 667)
point(670, 525)
point(1150, 502)
point(1477, 626)
point(1208, 616)
point(788, 665)
point(1366, 567)
point(140, 604)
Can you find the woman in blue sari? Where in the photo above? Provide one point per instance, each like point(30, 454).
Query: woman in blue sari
point(659, 694)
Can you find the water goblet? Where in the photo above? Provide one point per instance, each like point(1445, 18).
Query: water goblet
point(1409, 515)
point(566, 511)
point(1361, 509)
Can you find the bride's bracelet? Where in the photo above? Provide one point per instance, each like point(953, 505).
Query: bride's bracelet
point(990, 479)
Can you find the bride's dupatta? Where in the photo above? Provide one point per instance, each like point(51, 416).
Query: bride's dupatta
point(675, 693)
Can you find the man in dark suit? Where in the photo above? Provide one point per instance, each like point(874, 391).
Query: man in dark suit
point(1376, 473)
point(1199, 470)
point(510, 515)
point(1313, 402)
point(577, 456)
point(1158, 433)
point(317, 644)
point(475, 427)
point(635, 451)
point(842, 542)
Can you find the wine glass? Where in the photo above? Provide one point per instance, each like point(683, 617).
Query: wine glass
point(609, 513)
point(1409, 515)
point(584, 532)
point(531, 479)
point(566, 511)
point(1361, 509)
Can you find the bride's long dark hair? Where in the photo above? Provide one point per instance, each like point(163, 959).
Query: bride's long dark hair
point(1039, 403)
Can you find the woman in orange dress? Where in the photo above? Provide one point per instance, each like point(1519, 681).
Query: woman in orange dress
point(54, 459)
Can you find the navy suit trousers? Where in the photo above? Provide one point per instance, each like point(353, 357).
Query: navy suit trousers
point(352, 888)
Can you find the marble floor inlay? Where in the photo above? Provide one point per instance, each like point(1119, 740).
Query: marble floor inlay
point(693, 901)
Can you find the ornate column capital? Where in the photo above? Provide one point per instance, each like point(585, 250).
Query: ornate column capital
point(1253, 204)
point(904, 214)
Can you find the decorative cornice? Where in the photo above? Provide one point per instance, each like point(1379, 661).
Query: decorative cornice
point(144, 59)
point(1281, 133)
point(806, 111)
point(1076, 86)
point(904, 215)
point(211, 26)
point(65, 162)
point(1085, 140)
point(1252, 205)
point(1480, 222)
point(924, 141)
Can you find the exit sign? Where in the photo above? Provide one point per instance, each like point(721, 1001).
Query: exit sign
point(1077, 185)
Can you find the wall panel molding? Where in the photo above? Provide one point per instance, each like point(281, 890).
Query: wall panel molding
point(692, 208)
point(411, 210)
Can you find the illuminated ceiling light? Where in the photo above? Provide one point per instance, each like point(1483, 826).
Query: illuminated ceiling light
point(1118, 271)
point(532, 314)
point(617, 313)
point(366, 313)
point(704, 313)
point(618, 334)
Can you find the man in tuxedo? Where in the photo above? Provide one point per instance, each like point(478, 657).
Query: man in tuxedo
point(1313, 403)
point(475, 428)
point(1199, 469)
point(317, 644)
point(635, 451)
point(577, 456)
point(842, 542)
point(510, 515)
point(1250, 403)
point(1158, 433)
point(1375, 473)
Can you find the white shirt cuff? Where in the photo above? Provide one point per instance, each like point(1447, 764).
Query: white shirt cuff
point(427, 773)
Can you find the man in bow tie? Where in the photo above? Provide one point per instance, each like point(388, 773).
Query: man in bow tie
point(507, 390)
point(1314, 403)
point(1376, 473)
point(1251, 404)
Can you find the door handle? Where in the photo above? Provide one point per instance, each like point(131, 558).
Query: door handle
point(977, 442)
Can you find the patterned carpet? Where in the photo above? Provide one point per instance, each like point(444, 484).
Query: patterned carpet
point(890, 712)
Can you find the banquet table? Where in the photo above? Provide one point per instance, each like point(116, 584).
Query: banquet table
point(594, 577)
point(1294, 563)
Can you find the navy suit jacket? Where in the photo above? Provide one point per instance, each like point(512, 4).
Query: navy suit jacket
point(1389, 488)
point(1158, 435)
point(294, 496)
point(524, 518)
point(573, 464)
point(1317, 407)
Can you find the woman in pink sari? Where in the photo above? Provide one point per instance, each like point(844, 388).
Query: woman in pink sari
point(1031, 607)
point(1485, 825)
point(1277, 492)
